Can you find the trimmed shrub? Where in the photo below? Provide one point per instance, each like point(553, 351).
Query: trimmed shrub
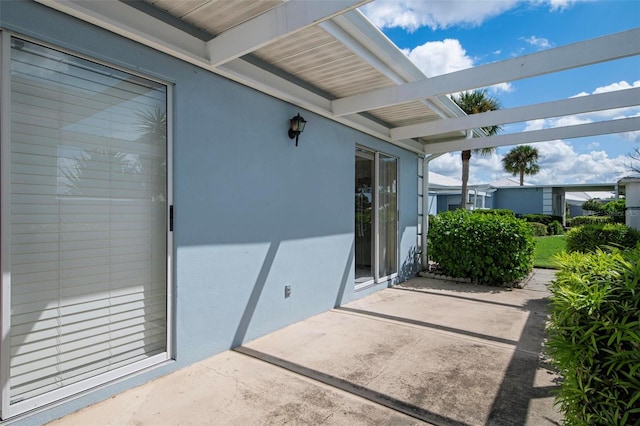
point(555, 228)
point(594, 337)
point(586, 220)
point(487, 248)
point(588, 238)
point(616, 210)
point(538, 229)
point(499, 212)
point(593, 205)
point(545, 219)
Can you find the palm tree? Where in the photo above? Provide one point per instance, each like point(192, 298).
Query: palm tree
point(523, 160)
point(475, 102)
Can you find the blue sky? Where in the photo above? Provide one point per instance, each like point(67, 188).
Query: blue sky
point(448, 35)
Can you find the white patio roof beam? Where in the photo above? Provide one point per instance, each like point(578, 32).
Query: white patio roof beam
point(577, 105)
point(567, 132)
point(386, 61)
point(273, 25)
point(616, 46)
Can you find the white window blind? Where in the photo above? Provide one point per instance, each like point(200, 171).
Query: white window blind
point(88, 170)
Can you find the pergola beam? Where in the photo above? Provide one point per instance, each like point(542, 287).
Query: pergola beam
point(273, 25)
point(567, 132)
point(607, 48)
point(577, 105)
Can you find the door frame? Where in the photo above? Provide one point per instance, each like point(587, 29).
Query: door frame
point(363, 151)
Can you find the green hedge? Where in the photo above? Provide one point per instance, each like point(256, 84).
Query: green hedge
point(615, 209)
point(594, 337)
point(499, 212)
point(587, 220)
point(538, 229)
point(555, 228)
point(546, 219)
point(487, 248)
point(588, 238)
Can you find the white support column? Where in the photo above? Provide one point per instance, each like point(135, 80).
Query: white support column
point(424, 259)
point(632, 194)
point(421, 195)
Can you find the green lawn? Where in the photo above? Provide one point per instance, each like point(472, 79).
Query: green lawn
point(546, 249)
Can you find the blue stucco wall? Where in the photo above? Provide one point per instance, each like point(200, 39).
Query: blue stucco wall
point(575, 210)
point(253, 213)
point(447, 202)
point(521, 200)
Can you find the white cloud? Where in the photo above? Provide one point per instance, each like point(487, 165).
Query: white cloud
point(559, 4)
point(440, 57)
point(595, 116)
point(449, 164)
point(413, 14)
point(502, 87)
point(559, 164)
point(535, 125)
point(540, 43)
point(482, 169)
point(593, 145)
point(621, 85)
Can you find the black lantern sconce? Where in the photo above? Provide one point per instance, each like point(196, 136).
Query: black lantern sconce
point(297, 126)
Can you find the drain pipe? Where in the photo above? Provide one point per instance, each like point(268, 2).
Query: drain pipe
point(424, 261)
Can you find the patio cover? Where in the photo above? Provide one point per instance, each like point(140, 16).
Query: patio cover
point(325, 56)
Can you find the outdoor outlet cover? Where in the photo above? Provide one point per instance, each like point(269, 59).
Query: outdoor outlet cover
point(287, 291)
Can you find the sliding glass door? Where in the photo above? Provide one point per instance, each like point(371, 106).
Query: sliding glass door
point(387, 208)
point(376, 217)
point(364, 202)
point(85, 238)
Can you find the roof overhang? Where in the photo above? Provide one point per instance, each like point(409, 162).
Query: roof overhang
point(325, 56)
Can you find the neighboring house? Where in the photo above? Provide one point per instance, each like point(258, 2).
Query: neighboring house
point(545, 199)
point(506, 193)
point(528, 199)
point(444, 194)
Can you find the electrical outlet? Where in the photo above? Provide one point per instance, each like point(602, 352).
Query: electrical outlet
point(287, 291)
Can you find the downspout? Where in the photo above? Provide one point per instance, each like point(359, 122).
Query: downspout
point(424, 262)
point(424, 259)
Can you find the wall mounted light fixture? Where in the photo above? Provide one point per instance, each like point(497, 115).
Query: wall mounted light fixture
point(297, 126)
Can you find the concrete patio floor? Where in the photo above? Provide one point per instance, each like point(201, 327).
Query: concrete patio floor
point(425, 352)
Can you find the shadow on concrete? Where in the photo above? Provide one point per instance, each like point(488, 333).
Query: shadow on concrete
point(352, 388)
point(449, 296)
point(452, 285)
point(512, 400)
point(429, 325)
point(517, 390)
